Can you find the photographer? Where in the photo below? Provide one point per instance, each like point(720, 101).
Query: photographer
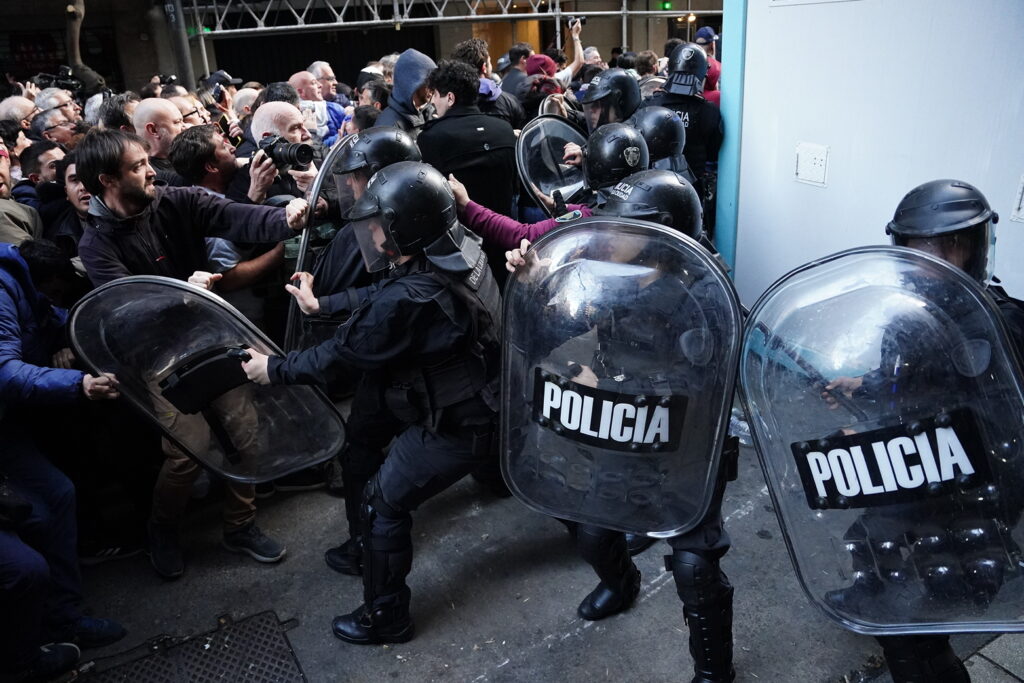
point(275, 122)
point(274, 92)
point(141, 229)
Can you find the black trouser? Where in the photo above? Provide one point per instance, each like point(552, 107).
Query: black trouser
point(419, 465)
point(369, 430)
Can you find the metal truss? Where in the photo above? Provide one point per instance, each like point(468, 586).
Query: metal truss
point(215, 18)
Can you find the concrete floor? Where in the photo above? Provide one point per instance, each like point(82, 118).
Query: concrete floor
point(495, 588)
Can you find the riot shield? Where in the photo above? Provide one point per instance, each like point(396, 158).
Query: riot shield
point(539, 152)
point(176, 350)
point(302, 332)
point(621, 339)
point(551, 106)
point(651, 85)
point(885, 403)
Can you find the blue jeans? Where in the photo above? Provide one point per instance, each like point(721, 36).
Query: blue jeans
point(40, 583)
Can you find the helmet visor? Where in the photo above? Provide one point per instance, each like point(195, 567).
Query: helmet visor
point(376, 243)
point(966, 249)
point(600, 112)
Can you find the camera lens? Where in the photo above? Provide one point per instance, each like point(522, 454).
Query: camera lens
point(295, 153)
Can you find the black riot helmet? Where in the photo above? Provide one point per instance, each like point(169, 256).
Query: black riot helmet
point(655, 196)
point(613, 152)
point(612, 96)
point(374, 148)
point(406, 207)
point(950, 219)
point(663, 130)
point(687, 69)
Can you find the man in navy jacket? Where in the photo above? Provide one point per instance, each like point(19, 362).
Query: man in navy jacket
point(40, 583)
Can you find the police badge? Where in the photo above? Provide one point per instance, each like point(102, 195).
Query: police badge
point(632, 156)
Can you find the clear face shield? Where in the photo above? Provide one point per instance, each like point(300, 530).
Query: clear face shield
point(376, 243)
point(600, 112)
point(971, 249)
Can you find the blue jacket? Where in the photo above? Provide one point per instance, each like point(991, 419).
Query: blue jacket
point(31, 330)
point(25, 193)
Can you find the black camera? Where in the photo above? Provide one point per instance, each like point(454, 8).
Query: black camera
point(62, 79)
point(569, 22)
point(285, 155)
point(168, 79)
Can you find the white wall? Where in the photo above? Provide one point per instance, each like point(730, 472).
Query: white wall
point(902, 91)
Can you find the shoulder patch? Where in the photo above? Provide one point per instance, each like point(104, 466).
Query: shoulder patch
point(570, 217)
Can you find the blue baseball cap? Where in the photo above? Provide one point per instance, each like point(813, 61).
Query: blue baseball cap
point(705, 35)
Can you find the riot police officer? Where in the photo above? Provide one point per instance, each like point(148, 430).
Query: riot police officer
point(612, 96)
point(952, 220)
point(339, 265)
point(326, 298)
point(614, 152)
point(688, 67)
point(658, 196)
point(665, 133)
point(426, 336)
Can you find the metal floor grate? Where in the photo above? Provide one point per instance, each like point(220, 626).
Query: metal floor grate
point(254, 650)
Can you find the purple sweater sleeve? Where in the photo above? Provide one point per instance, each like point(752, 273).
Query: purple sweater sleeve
point(507, 233)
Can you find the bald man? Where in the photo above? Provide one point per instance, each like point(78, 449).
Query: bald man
point(158, 122)
point(283, 120)
point(193, 113)
point(329, 116)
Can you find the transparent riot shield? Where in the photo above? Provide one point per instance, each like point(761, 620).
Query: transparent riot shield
point(176, 351)
point(539, 152)
point(885, 403)
point(651, 85)
point(303, 332)
point(620, 350)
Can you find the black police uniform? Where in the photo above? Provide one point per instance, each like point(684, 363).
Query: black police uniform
point(427, 341)
point(703, 588)
point(704, 131)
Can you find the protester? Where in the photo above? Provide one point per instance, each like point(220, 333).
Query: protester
point(410, 94)
point(17, 221)
point(158, 122)
point(39, 165)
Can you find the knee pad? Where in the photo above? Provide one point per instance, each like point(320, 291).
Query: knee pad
point(699, 580)
point(386, 526)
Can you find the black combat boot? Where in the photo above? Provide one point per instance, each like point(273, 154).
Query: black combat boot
point(387, 560)
point(385, 620)
point(707, 608)
point(921, 659)
point(606, 552)
point(711, 639)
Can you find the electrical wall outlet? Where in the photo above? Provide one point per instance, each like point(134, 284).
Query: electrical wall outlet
point(811, 163)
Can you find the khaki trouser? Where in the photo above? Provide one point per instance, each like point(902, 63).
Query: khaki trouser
point(179, 472)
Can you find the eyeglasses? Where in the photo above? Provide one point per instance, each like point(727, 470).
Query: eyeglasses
point(331, 79)
point(63, 124)
point(188, 114)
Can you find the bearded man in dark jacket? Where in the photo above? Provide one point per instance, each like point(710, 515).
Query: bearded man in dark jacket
point(140, 229)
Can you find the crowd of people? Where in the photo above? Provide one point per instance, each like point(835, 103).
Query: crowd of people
point(210, 187)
